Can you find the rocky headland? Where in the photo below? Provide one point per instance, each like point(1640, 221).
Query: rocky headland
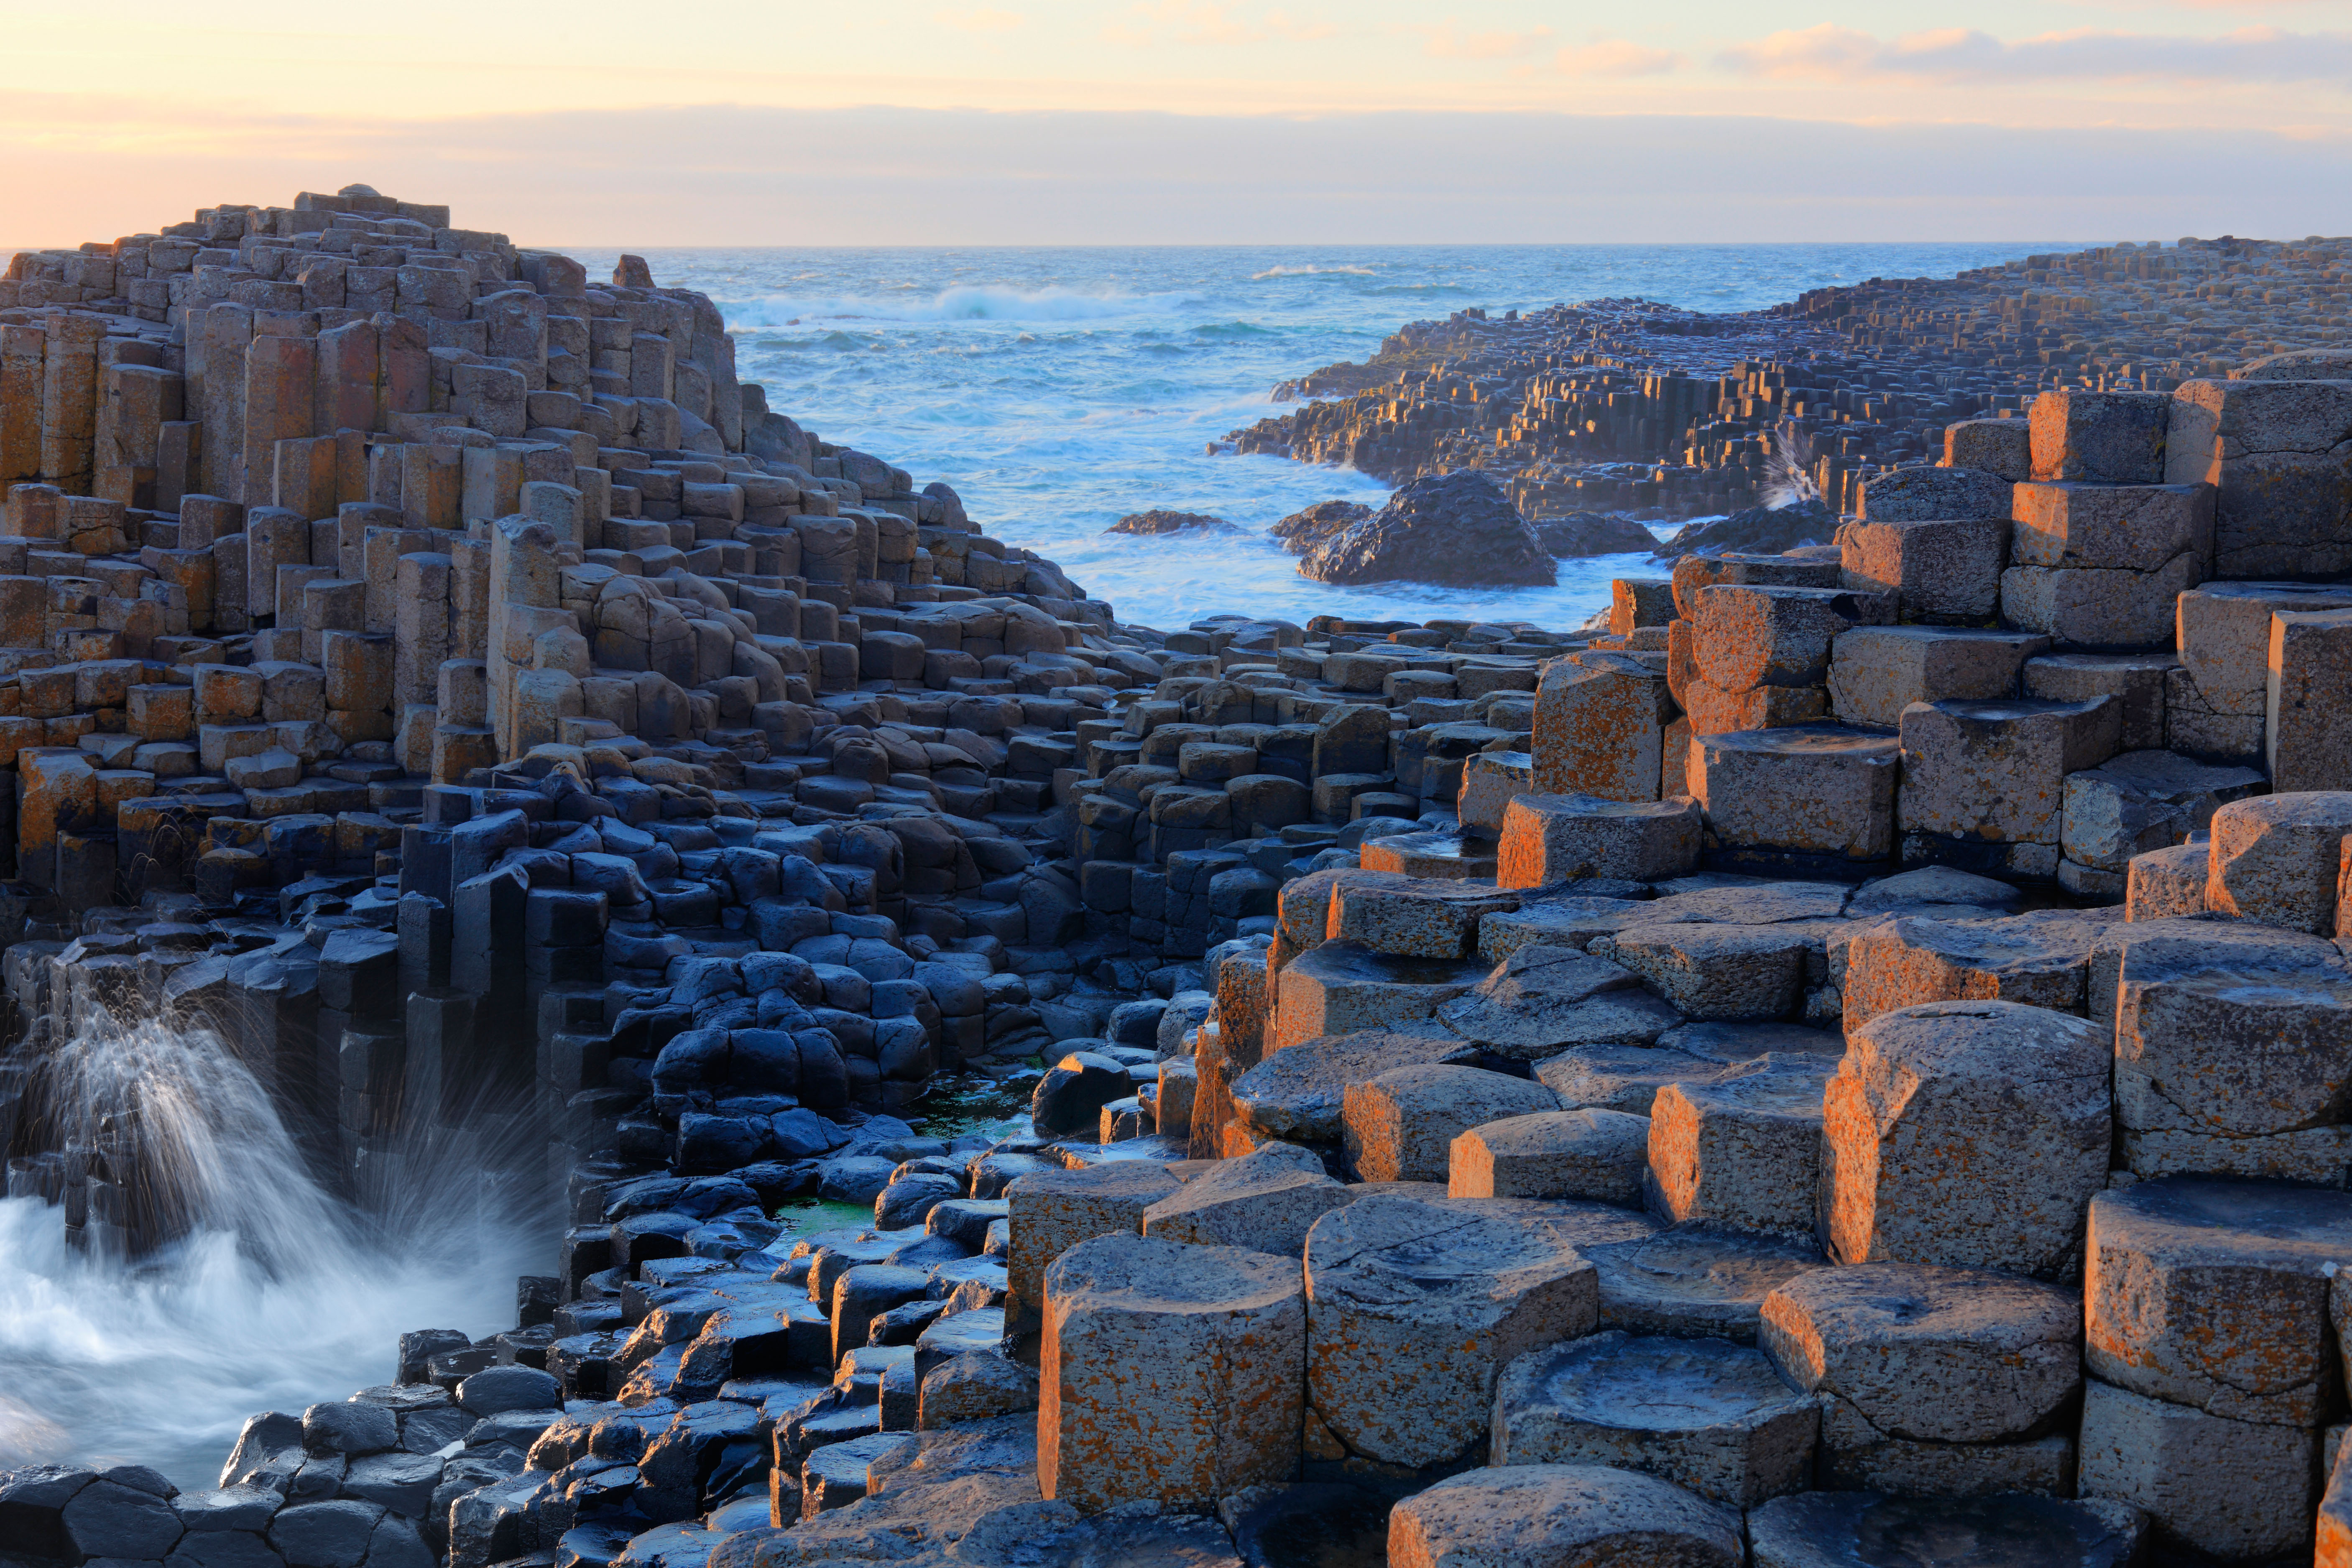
point(1850, 1061)
point(1628, 406)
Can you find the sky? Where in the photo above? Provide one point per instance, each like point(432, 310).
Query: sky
point(1159, 121)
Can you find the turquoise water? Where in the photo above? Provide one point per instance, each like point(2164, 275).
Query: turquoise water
point(1060, 389)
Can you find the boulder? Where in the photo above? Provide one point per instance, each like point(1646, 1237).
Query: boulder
point(2236, 1490)
point(1456, 529)
point(1760, 530)
point(2214, 1294)
point(1053, 1211)
point(1944, 1355)
point(1743, 1148)
point(2278, 859)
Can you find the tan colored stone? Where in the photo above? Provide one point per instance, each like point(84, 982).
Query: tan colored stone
point(1419, 918)
point(2276, 454)
point(1414, 1308)
point(1743, 1148)
point(1052, 1211)
point(2069, 524)
point(2232, 1490)
point(1712, 710)
point(1600, 726)
point(1928, 1353)
point(1584, 1153)
point(1751, 636)
point(2099, 607)
point(1550, 838)
point(2307, 715)
point(2276, 859)
point(1997, 770)
point(1167, 1372)
point(2042, 960)
point(2232, 1051)
point(1941, 570)
point(1341, 987)
point(1707, 1414)
point(1875, 672)
point(1716, 970)
point(1400, 1126)
point(2214, 1294)
point(1972, 1134)
point(1559, 1516)
point(1265, 1201)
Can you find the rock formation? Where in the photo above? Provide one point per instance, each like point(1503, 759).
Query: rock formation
point(1149, 524)
point(1493, 1094)
point(1627, 405)
point(1458, 529)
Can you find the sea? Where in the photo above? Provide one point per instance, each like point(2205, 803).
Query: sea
point(1059, 390)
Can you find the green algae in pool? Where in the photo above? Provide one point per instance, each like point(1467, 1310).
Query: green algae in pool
point(972, 1102)
point(809, 1216)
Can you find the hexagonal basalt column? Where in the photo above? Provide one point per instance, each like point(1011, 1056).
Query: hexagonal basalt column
point(1168, 1371)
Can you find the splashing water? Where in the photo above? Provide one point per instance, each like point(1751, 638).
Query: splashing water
point(275, 1293)
point(1786, 481)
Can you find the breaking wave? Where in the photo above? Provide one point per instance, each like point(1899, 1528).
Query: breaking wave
point(964, 303)
point(1311, 271)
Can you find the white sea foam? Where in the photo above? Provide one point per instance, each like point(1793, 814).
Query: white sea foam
point(1311, 271)
point(964, 303)
point(279, 1296)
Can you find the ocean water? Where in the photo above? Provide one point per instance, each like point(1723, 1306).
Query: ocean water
point(1058, 390)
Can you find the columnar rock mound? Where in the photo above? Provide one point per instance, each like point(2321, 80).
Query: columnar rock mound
point(1457, 530)
point(1629, 405)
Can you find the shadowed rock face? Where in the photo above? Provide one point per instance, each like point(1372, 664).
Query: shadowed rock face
point(1457, 529)
point(1592, 533)
point(1760, 528)
point(1303, 531)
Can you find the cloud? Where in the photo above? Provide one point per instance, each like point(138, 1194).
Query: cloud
point(1615, 58)
point(1205, 22)
point(1448, 42)
point(1951, 55)
point(979, 19)
point(702, 176)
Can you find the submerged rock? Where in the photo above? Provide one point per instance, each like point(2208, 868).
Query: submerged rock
point(1157, 521)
